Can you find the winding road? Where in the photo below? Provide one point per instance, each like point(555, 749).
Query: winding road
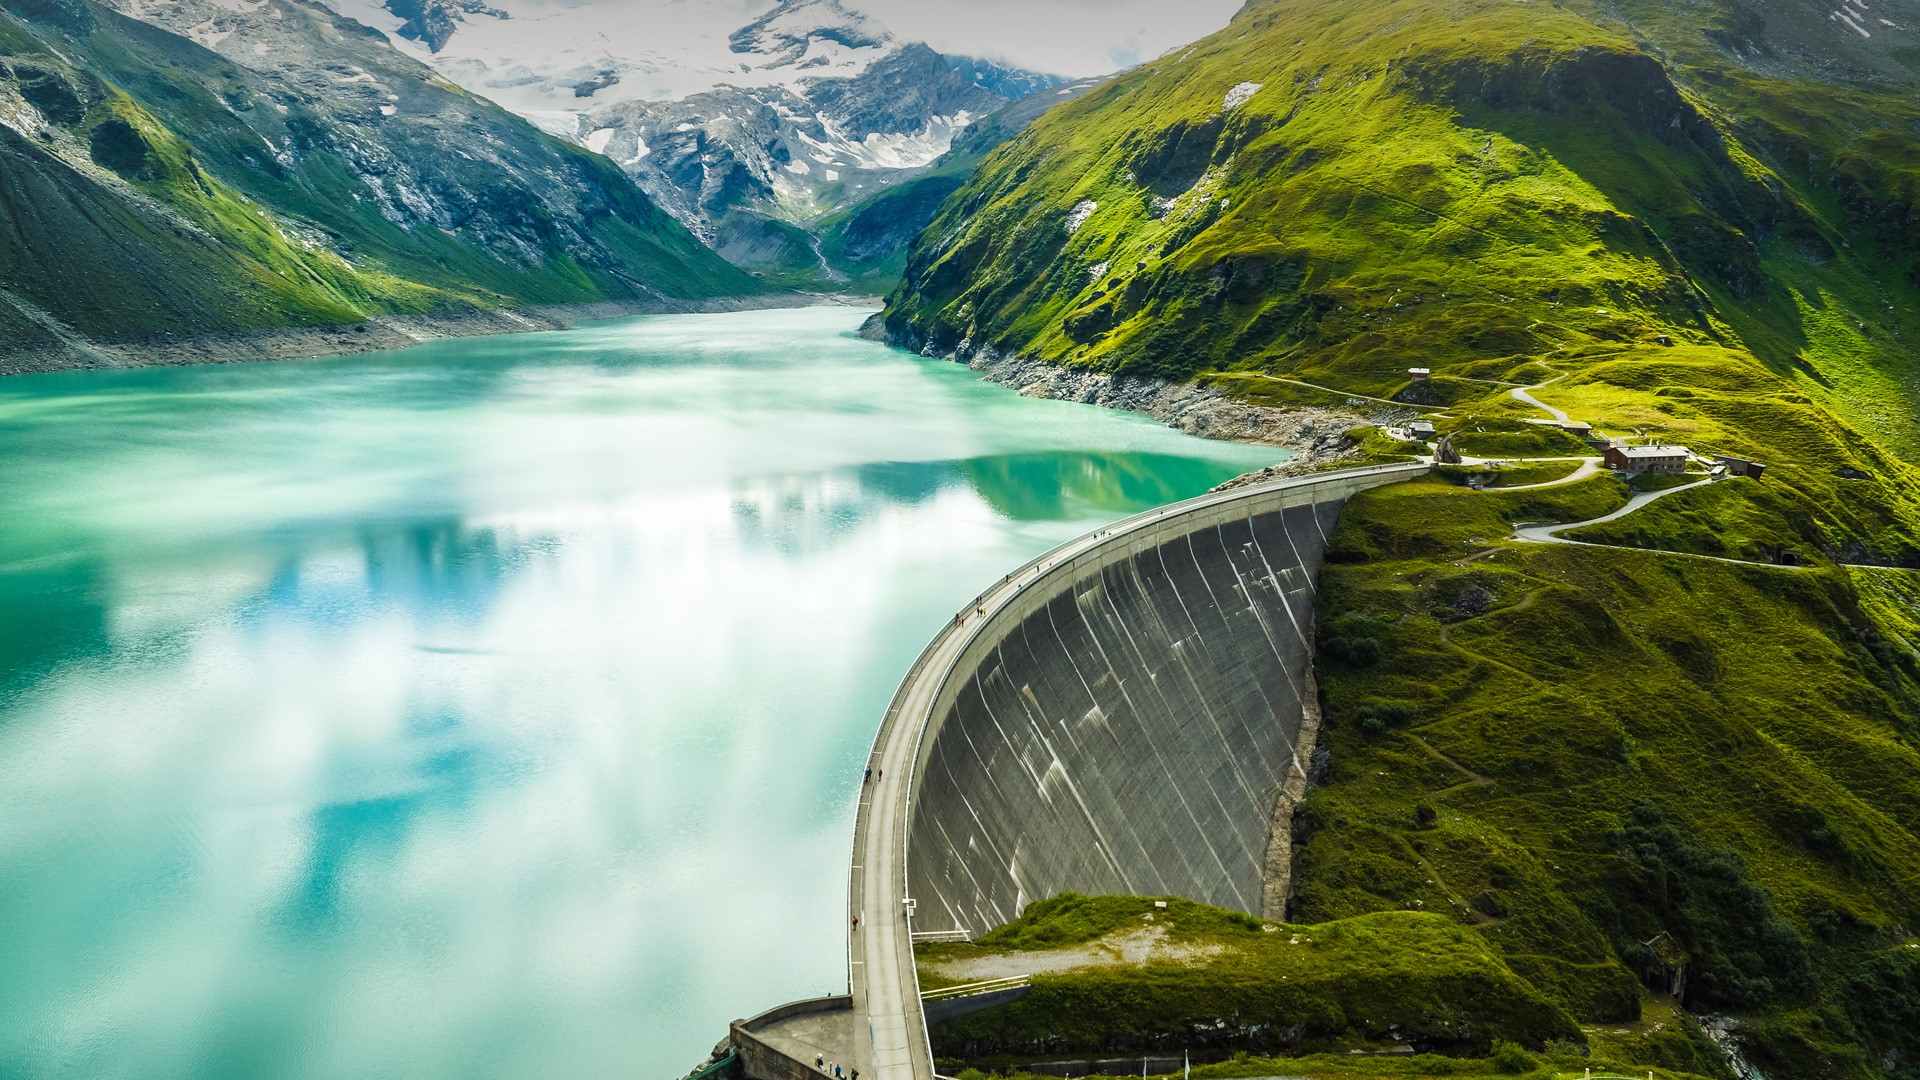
point(1549, 534)
point(1559, 415)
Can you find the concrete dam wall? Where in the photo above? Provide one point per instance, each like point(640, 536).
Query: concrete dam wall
point(1126, 721)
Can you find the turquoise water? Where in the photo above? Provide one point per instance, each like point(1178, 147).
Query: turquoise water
point(492, 708)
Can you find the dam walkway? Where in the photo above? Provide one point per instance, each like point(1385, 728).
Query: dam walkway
point(881, 1025)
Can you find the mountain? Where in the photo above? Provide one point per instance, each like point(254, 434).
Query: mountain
point(1670, 772)
point(310, 176)
point(1338, 202)
point(862, 247)
point(797, 151)
point(800, 112)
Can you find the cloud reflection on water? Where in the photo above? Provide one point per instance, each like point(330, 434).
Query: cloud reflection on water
point(490, 709)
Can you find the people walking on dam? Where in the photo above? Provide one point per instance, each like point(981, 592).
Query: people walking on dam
point(869, 778)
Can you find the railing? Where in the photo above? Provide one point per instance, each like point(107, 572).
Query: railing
point(1012, 982)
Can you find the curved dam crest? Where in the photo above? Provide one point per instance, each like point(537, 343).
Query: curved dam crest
point(1127, 724)
point(1122, 715)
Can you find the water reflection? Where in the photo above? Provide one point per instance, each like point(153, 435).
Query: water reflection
point(491, 709)
point(51, 616)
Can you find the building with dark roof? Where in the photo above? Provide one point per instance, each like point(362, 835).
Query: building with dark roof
point(1646, 459)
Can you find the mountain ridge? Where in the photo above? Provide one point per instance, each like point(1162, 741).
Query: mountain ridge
point(793, 115)
point(157, 187)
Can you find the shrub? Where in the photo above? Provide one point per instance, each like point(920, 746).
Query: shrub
point(1509, 1058)
point(1743, 951)
point(1352, 651)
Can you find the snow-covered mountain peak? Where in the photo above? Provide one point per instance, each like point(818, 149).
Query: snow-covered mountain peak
point(806, 33)
point(787, 108)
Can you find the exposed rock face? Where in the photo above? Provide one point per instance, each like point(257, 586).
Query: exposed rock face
point(1315, 435)
point(796, 151)
point(322, 94)
point(432, 22)
point(788, 34)
point(805, 110)
point(302, 173)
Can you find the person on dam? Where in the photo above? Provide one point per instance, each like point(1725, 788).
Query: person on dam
point(869, 778)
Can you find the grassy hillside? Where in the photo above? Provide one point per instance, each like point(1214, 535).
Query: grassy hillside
point(1219, 980)
point(1338, 192)
point(1673, 763)
point(1662, 778)
point(1629, 767)
point(153, 186)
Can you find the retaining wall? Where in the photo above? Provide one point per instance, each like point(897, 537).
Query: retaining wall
point(761, 1055)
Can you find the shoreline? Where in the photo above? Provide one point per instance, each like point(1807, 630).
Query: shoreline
point(1317, 436)
point(378, 333)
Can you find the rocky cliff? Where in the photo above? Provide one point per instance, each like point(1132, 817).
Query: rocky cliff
point(757, 135)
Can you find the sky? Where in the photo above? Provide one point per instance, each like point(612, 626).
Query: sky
point(1064, 37)
point(669, 49)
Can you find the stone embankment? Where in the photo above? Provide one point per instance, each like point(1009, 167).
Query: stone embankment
point(1316, 435)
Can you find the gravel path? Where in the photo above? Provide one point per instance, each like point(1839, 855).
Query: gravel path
point(1147, 945)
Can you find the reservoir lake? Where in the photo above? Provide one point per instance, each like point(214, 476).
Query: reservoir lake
point(490, 708)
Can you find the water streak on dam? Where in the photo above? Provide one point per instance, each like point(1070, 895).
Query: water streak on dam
point(1126, 724)
point(1120, 715)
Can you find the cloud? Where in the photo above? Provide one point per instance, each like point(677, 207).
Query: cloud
point(1065, 37)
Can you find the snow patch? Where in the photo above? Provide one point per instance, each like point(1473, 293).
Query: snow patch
point(389, 110)
point(560, 125)
point(1099, 270)
point(1846, 18)
point(798, 168)
point(1078, 216)
point(597, 141)
point(1240, 95)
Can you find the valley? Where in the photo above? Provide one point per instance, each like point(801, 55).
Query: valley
point(1477, 634)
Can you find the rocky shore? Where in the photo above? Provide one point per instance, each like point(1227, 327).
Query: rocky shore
point(1315, 435)
point(67, 351)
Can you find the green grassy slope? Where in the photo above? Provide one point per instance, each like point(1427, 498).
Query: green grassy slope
point(1618, 765)
point(1230, 981)
point(153, 186)
point(1449, 185)
point(1627, 769)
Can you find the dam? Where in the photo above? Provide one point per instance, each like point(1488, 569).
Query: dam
point(1121, 715)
